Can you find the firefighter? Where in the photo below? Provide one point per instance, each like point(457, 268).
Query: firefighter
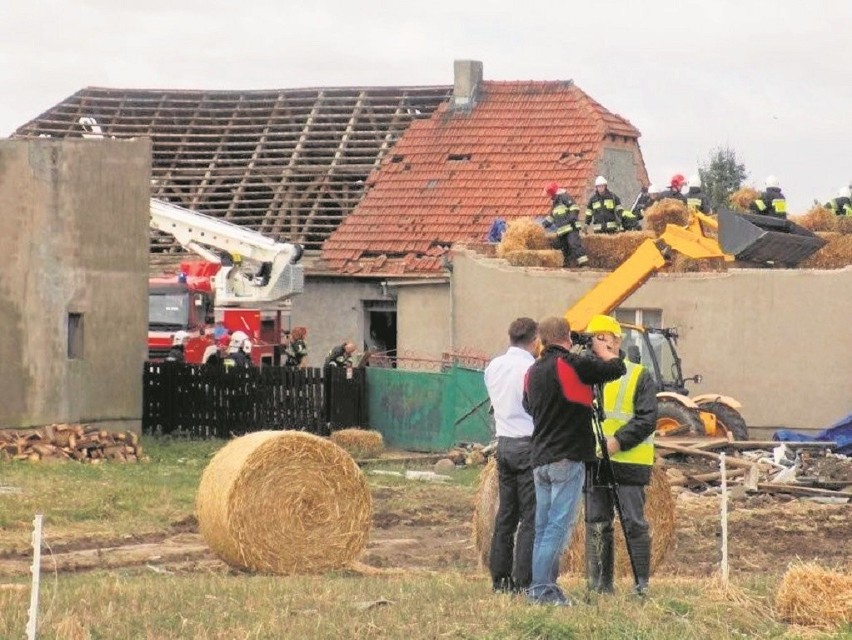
point(674, 189)
point(603, 213)
point(564, 218)
point(239, 349)
point(771, 202)
point(630, 404)
point(632, 220)
point(842, 204)
point(296, 348)
point(340, 356)
point(696, 199)
point(176, 353)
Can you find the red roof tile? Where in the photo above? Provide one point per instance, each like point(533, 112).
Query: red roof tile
point(450, 176)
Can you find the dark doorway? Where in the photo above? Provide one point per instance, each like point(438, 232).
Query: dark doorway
point(380, 335)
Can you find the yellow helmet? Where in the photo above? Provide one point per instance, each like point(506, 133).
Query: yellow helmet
point(604, 324)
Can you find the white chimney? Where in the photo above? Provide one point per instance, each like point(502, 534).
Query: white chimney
point(468, 76)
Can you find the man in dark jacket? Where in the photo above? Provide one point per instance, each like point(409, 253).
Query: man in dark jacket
point(558, 395)
point(340, 356)
point(176, 353)
point(771, 202)
point(564, 220)
point(696, 199)
point(842, 204)
point(630, 404)
point(673, 192)
point(603, 213)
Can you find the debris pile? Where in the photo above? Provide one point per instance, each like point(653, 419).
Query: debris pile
point(471, 453)
point(60, 442)
point(806, 469)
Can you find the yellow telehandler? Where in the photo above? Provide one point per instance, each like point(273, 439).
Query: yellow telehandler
point(735, 236)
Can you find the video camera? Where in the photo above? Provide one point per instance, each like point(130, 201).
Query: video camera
point(582, 340)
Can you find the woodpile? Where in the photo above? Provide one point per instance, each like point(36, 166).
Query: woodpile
point(61, 442)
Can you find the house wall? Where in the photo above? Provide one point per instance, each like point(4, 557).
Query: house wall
point(423, 319)
point(773, 339)
point(75, 240)
point(332, 309)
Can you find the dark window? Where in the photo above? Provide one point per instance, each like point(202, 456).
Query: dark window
point(459, 157)
point(75, 336)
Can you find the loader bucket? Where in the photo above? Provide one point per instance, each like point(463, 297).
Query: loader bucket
point(757, 238)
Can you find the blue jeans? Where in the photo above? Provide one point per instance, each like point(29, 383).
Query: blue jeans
point(558, 487)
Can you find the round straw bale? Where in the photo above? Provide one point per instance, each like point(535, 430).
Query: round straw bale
point(666, 211)
point(818, 218)
point(742, 198)
point(659, 511)
point(284, 502)
point(608, 251)
point(535, 258)
point(359, 443)
point(523, 233)
point(814, 596)
point(836, 254)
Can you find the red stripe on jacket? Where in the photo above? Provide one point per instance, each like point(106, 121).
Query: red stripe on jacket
point(572, 388)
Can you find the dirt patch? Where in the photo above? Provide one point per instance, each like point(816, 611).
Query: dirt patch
point(430, 528)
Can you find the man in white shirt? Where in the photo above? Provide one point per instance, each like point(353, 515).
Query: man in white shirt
point(511, 561)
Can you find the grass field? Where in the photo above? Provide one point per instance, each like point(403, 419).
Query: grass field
point(426, 584)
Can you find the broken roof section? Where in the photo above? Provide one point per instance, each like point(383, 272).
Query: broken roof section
point(479, 157)
point(288, 163)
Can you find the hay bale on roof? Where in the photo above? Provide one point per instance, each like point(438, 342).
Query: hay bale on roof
point(608, 251)
point(660, 512)
point(284, 502)
point(522, 234)
point(814, 596)
point(818, 218)
point(535, 258)
point(836, 254)
point(664, 212)
point(742, 198)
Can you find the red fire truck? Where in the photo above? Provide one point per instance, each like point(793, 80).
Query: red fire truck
point(243, 282)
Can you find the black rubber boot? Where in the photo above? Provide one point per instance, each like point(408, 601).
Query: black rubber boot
point(599, 558)
point(641, 546)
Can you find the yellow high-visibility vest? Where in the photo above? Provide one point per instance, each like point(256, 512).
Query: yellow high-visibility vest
point(618, 406)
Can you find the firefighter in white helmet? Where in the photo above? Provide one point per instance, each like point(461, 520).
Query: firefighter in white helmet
point(696, 199)
point(176, 353)
point(604, 211)
point(239, 349)
point(771, 202)
point(842, 204)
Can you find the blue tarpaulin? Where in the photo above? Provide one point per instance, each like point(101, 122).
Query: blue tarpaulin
point(840, 432)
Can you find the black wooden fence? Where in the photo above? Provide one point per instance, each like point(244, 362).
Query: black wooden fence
point(208, 402)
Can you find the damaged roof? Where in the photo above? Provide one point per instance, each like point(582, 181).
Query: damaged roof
point(450, 176)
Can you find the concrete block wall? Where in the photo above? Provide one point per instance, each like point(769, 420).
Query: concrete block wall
point(74, 241)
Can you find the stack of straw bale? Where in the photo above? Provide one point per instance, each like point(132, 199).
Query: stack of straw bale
point(666, 211)
point(608, 251)
point(834, 255)
point(359, 443)
point(284, 502)
point(550, 258)
point(742, 198)
point(818, 218)
point(523, 234)
point(814, 596)
point(659, 509)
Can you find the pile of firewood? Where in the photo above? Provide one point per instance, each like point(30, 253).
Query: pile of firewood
point(58, 442)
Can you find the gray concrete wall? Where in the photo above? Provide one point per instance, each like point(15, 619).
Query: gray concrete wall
point(777, 340)
point(333, 311)
point(621, 168)
point(75, 240)
point(423, 318)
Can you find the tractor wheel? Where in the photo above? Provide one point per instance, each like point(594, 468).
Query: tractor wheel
point(674, 419)
point(728, 419)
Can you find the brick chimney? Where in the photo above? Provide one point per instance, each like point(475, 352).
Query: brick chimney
point(468, 76)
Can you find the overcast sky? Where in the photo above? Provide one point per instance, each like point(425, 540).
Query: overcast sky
point(770, 79)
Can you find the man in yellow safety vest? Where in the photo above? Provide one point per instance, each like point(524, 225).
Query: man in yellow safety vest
point(630, 404)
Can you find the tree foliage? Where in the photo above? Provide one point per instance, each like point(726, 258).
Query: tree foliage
point(721, 175)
